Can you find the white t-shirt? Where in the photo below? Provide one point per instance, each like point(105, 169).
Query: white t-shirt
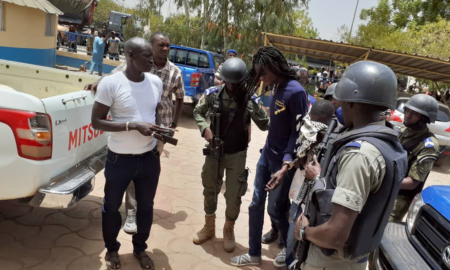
point(133, 102)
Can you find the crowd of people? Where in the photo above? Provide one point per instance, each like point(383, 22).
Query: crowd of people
point(367, 175)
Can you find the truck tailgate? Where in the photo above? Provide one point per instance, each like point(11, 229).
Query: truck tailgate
point(74, 139)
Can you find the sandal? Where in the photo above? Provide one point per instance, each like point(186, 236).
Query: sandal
point(145, 260)
point(112, 260)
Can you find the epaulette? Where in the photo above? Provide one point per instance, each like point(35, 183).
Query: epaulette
point(356, 144)
point(211, 90)
point(256, 99)
point(428, 143)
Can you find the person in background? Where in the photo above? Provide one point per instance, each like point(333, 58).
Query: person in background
point(131, 97)
point(97, 55)
point(217, 79)
point(288, 106)
point(90, 42)
point(113, 46)
point(72, 39)
point(329, 96)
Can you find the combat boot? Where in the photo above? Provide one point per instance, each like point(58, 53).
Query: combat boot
point(228, 236)
point(208, 231)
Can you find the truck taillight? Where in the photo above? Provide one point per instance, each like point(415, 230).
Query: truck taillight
point(395, 117)
point(448, 129)
point(195, 79)
point(32, 131)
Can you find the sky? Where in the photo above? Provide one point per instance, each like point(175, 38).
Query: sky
point(327, 15)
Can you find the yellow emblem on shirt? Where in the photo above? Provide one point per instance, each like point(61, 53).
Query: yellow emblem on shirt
point(280, 105)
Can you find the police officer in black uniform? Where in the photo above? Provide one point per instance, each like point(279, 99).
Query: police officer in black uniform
point(357, 182)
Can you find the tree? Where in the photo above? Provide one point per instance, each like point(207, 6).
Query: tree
point(101, 13)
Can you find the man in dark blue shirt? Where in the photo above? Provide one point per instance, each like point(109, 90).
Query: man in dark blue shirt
point(288, 106)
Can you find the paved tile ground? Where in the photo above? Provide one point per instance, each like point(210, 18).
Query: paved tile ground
point(46, 239)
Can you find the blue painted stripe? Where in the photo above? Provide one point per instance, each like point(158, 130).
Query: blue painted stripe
point(41, 57)
point(76, 63)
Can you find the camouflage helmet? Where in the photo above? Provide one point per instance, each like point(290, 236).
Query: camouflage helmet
point(425, 105)
point(369, 83)
point(233, 70)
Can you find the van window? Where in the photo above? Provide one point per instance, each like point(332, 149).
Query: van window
point(192, 59)
point(218, 60)
point(171, 54)
point(203, 61)
point(180, 58)
point(50, 25)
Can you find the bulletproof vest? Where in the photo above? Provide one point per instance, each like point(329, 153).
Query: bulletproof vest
point(232, 126)
point(409, 146)
point(369, 226)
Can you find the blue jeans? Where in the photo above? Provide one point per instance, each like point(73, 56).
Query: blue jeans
point(293, 216)
point(277, 206)
point(98, 66)
point(120, 170)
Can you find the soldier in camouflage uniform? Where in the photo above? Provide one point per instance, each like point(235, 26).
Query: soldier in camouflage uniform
point(234, 133)
point(422, 148)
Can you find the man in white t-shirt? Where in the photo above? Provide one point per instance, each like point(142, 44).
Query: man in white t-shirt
point(131, 97)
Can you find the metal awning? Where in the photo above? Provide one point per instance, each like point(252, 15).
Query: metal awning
point(43, 5)
point(424, 67)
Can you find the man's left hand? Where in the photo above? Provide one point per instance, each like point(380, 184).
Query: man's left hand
point(301, 221)
point(276, 179)
point(312, 169)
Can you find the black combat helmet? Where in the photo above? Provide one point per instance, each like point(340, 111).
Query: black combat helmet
point(233, 70)
point(369, 83)
point(425, 105)
point(330, 90)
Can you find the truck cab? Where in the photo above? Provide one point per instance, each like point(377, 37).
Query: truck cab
point(424, 241)
point(198, 68)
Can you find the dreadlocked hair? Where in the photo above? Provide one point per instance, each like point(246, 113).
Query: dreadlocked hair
point(274, 60)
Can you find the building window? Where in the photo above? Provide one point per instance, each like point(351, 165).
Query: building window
point(1, 16)
point(50, 25)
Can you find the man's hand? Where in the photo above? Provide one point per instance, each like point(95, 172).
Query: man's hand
point(92, 87)
point(301, 221)
point(146, 129)
point(208, 135)
point(277, 178)
point(313, 169)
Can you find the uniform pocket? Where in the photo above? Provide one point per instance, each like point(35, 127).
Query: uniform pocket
point(243, 183)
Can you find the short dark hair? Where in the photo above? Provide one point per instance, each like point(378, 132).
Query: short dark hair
point(324, 110)
point(157, 34)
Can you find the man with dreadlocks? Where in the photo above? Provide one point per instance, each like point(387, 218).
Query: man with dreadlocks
point(235, 117)
point(288, 106)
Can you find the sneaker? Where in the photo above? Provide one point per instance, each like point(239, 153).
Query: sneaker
point(280, 260)
point(245, 260)
point(130, 226)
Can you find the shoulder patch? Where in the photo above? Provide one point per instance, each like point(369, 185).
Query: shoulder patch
point(256, 99)
point(428, 143)
point(354, 144)
point(211, 90)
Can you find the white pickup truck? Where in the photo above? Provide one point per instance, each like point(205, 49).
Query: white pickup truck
point(49, 151)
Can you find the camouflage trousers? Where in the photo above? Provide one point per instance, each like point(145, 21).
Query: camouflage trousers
point(401, 207)
point(235, 185)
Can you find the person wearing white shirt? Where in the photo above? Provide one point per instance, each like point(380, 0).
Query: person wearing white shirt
point(131, 97)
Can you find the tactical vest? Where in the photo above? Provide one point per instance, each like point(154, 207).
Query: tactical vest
point(232, 126)
point(369, 226)
point(409, 147)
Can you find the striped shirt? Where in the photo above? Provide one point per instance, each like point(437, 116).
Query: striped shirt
point(172, 79)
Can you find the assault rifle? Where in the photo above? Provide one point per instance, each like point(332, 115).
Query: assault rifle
point(215, 149)
point(304, 197)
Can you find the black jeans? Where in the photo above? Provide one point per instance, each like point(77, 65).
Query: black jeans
point(120, 169)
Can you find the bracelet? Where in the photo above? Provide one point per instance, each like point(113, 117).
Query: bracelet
point(290, 164)
point(127, 126)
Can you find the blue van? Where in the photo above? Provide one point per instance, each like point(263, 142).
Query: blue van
point(198, 67)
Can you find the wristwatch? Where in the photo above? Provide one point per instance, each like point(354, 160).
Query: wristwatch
point(289, 163)
point(301, 233)
point(173, 125)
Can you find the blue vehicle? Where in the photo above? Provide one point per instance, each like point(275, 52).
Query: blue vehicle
point(198, 67)
point(424, 242)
